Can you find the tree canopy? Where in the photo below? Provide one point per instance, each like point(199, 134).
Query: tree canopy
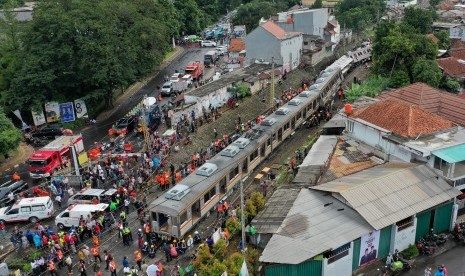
point(359, 14)
point(9, 135)
point(249, 14)
point(419, 19)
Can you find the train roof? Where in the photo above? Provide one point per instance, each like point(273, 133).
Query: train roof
point(199, 184)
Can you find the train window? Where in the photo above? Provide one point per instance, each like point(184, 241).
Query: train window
point(233, 173)
point(209, 194)
point(223, 185)
point(154, 216)
point(254, 155)
point(262, 150)
point(268, 143)
point(244, 166)
point(183, 218)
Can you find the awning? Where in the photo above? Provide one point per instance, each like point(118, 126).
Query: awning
point(451, 154)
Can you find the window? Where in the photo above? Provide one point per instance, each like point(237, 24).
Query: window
point(26, 209)
point(305, 42)
point(13, 211)
point(183, 218)
point(209, 195)
point(404, 224)
point(49, 203)
point(65, 215)
point(262, 150)
point(337, 253)
point(233, 173)
point(268, 143)
point(223, 185)
point(254, 155)
point(154, 216)
point(350, 126)
point(38, 208)
point(244, 166)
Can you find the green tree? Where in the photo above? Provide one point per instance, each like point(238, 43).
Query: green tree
point(318, 4)
point(249, 14)
point(420, 19)
point(444, 39)
point(399, 78)
point(10, 137)
point(359, 14)
point(234, 263)
point(450, 84)
point(190, 16)
point(427, 71)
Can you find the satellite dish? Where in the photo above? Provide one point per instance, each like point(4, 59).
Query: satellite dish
point(150, 101)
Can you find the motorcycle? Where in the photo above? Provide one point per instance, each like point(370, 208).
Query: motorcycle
point(437, 238)
point(426, 248)
point(396, 267)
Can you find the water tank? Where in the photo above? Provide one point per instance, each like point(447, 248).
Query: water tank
point(348, 108)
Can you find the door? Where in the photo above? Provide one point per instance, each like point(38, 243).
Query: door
point(356, 254)
point(442, 218)
point(384, 242)
point(12, 215)
point(196, 211)
point(423, 225)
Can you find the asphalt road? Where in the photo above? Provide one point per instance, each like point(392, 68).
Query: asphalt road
point(99, 131)
point(454, 260)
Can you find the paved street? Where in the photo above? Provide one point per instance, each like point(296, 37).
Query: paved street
point(454, 260)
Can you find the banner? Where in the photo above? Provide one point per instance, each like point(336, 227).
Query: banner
point(18, 115)
point(38, 117)
point(52, 112)
point(67, 112)
point(81, 108)
point(369, 248)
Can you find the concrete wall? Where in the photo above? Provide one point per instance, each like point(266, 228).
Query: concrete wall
point(311, 22)
point(341, 267)
point(291, 51)
point(400, 240)
point(260, 44)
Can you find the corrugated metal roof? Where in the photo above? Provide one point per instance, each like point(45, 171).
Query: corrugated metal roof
point(270, 218)
point(386, 194)
point(310, 228)
point(316, 159)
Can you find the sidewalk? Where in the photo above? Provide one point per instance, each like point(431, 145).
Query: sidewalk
point(138, 85)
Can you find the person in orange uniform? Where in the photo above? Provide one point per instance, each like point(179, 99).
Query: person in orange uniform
point(52, 268)
point(16, 177)
point(95, 252)
point(178, 176)
point(113, 268)
point(138, 257)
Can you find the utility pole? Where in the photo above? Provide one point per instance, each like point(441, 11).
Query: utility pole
point(272, 83)
point(145, 124)
point(75, 160)
point(242, 216)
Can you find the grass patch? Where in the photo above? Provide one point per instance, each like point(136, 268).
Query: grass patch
point(169, 54)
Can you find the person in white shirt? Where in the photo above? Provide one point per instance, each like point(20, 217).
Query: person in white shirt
point(152, 270)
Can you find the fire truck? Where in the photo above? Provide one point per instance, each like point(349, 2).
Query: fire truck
point(54, 156)
point(195, 69)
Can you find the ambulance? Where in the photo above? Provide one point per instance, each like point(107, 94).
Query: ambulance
point(72, 214)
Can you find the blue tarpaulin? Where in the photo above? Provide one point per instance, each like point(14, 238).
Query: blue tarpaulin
point(453, 154)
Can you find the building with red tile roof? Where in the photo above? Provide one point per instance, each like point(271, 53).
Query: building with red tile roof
point(433, 37)
point(430, 99)
point(269, 41)
point(402, 119)
point(452, 67)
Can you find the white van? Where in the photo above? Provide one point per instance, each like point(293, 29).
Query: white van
point(86, 196)
point(70, 216)
point(28, 209)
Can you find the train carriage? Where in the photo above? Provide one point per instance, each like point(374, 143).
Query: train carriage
point(186, 203)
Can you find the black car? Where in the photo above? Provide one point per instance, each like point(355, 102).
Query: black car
point(11, 187)
point(48, 132)
point(126, 125)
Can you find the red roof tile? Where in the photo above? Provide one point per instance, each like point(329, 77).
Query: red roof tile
point(457, 44)
point(452, 66)
point(236, 45)
point(433, 37)
point(402, 119)
point(277, 31)
point(462, 96)
point(444, 104)
point(457, 53)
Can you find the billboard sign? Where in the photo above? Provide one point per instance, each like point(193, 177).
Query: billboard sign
point(369, 248)
point(81, 108)
point(38, 117)
point(52, 112)
point(67, 112)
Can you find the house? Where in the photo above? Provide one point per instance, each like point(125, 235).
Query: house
point(284, 47)
point(236, 46)
point(332, 226)
point(453, 68)
point(401, 3)
point(332, 32)
point(307, 21)
point(430, 99)
point(314, 49)
point(411, 134)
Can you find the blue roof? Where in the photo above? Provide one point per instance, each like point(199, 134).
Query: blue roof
point(451, 154)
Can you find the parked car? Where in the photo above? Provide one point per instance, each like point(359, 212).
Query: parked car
point(207, 43)
point(221, 50)
point(188, 78)
point(175, 77)
point(28, 209)
point(124, 125)
point(11, 187)
point(48, 132)
point(167, 88)
point(86, 196)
